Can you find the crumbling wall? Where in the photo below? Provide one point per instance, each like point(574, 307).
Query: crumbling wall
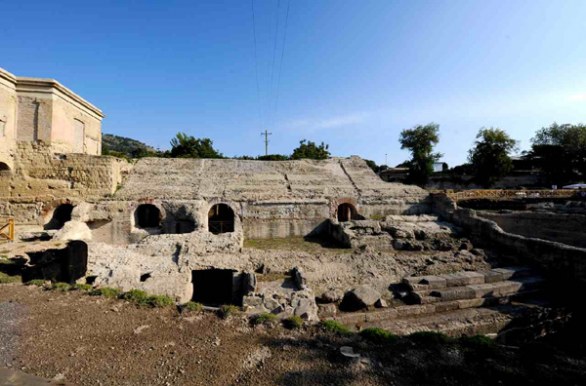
point(563, 263)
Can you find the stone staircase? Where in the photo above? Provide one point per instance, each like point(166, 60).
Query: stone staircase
point(497, 301)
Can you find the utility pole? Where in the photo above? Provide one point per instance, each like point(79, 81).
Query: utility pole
point(386, 161)
point(266, 134)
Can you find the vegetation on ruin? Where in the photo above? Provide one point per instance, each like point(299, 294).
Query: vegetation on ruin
point(429, 337)
point(294, 322)
point(160, 301)
point(264, 318)
point(63, 287)
point(82, 287)
point(107, 292)
point(193, 306)
point(378, 335)
point(7, 279)
point(301, 244)
point(335, 327)
point(36, 282)
point(420, 141)
point(137, 297)
point(228, 310)
point(490, 156)
point(309, 150)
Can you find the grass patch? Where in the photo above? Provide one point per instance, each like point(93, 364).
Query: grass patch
point(160, 301)
point(335, 327)
point(107, 292)
point(378, 335)
point(138, 297)
point(61, 287)
point(264, 318)
point(429, 338)
point(37, 282)
point(193, 307)
point(228, 310)
point(296, 244)
point(293, 322)
point(82, 287)
point(377, 217)
point(7, 279)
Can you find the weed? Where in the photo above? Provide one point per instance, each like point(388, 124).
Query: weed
point(160, 301)
point(228, 310)
point(6, 279)
point(193, 307)
point(429, 337)
point(264, 318)
point(138, 297)
point(293, 322)
point(37, 282)
point(62, 287)
point(82, 287)
point(107, 292)
point(378, 335)
point(335, 327)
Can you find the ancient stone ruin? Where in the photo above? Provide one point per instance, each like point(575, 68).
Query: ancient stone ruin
point(386, 254)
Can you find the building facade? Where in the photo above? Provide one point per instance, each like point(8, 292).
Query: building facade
point(43, 110)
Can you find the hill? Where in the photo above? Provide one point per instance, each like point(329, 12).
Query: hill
point(125, 147)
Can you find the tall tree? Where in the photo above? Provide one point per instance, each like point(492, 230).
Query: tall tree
point(308, 149)
point(187, 146)
point(560, 153)
point(490, 156)
point(420, 141)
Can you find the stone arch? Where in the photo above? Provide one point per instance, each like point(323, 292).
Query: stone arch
point(147, 216)
point(346, 212)
point(61, 215)
point(221, 219)
point(4, 169)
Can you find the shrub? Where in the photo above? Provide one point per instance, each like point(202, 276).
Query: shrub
point(429, 337)
point(37, 282)
point(138, 297)
point(160, 301)
point(264, 318)
point(228, 310)
point(378, 335)
point(63, 287)
point(335, 327)
point(107, 292)
point(477, 341)
point(82, 287)
point(293, 322)
point(6, 279)
point(193, 306)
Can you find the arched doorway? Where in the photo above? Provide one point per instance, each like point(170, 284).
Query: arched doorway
point(347, 212)
point(221, 219)
point(4, 170)
point(61, 215)
point(147, 216)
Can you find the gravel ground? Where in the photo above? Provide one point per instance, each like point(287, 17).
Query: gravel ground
point(78, 339)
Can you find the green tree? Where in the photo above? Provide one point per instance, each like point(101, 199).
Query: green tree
point(273, 157)
point(490, 157)
point(308, 149)
point(560, 152)
point(420, 141)
point(187, 146)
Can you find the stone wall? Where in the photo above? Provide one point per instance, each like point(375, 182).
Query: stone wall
point(564, 264)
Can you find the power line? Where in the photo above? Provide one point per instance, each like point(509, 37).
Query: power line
point(271, 91)
point(256, 65)
point(282, 56)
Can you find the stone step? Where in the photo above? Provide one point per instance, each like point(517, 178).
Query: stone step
point(510, 320)
point(422, 310)
point(485, 290)
point(464, 278)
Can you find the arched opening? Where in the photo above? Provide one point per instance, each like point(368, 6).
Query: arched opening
point(221, 219)
point(61, 215)
point(147, 216)
point(347, 212)
point(4, 170)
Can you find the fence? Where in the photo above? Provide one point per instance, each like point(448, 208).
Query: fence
point(7, 230)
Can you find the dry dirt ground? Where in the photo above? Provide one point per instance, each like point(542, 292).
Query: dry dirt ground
point(83, 340)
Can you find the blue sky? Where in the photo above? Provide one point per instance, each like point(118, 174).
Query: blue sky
point(353, 74)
